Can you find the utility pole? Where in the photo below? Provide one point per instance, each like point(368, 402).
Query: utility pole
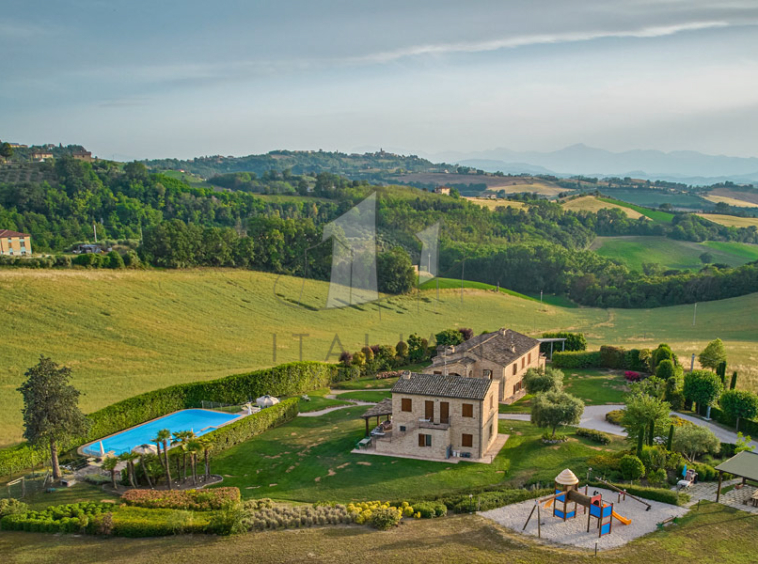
point(94, 228)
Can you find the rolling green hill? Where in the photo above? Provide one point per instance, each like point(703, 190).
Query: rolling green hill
point(672, 254)
point(126, 332)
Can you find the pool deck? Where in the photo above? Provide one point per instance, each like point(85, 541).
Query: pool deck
point(81, 449)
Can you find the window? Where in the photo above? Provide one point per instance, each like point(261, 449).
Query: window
point(406, 404)
point(424, 440)
point(23, 243)
point(491, 404)
point(523, 361)
point(530, 358)
point(468, 410)
point(515, 368)
point(487, 373)
point(467, 440)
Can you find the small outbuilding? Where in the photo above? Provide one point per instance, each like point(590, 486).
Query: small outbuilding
point(742, 465)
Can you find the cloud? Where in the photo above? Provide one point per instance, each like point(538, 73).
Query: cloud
point(533, 39)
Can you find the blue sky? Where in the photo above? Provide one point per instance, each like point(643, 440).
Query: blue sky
point(179, 79)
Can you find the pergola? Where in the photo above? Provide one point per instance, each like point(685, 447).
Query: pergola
point(561, 340)
point(743, 465)
point(381, 409)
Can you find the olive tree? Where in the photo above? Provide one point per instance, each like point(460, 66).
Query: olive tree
point(694, 440)
point(551, 409)
point(538, 381)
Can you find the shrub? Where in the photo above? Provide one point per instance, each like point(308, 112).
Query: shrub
point(430, 509)
point(198, 500)
point(614, 416)
point(576, 359)
point(550, 439)
point(574, 341)
point(631, 467)
point(631, 376)
point(655, 494)
point(612, 357)
point(12, 506)
point(593, 435)
point(386, 518)
point(705, 472)
point(547, 380)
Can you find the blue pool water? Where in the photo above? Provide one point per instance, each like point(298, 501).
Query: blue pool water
point(201, 421)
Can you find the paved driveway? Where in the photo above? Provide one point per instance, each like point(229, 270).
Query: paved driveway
point(594, 418)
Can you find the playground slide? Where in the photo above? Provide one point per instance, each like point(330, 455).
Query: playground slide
point(621, 518)
point(549, 503)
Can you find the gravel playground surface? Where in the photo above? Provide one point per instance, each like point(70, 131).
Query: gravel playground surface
point(573, 532)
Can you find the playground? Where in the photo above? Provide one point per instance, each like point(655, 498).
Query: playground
point(582, 516)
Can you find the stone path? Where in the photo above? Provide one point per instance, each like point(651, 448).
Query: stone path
point(734, 498)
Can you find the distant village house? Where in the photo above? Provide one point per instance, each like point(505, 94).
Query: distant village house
point(82, 156)
point(13, 243)
point(39, 156)
point(443, 190)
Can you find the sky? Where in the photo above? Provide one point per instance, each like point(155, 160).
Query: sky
point(147, 79)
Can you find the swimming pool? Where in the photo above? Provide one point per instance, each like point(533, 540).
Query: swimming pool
point(200, 421)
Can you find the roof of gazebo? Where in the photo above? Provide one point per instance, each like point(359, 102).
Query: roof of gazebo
point(384, 407)
point(743, 464)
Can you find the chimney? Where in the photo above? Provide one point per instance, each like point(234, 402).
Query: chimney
point(503, 331)
point(406, 375)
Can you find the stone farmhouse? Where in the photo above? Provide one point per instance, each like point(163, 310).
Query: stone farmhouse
point(438, 417)
point(503, 357)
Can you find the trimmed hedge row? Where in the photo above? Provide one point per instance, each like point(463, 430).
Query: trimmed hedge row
point(593, 435)
point(286, 379)
point(574, 341)
point(607, 357)
point(747, 426)
point(655, 494)
point(255, 424)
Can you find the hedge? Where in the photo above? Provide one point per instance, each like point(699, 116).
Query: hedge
point(655, 494)
point(255, 424)
point(593, 435)
point(606, 357)
point(286, 379)
point(747, 426)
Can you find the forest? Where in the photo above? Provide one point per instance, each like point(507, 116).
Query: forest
point(541, 247)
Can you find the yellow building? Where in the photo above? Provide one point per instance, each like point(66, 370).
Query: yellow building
point(15, 244)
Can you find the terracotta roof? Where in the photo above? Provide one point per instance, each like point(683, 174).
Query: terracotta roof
point(9, 233)
point(443, 386)
point(503, 347)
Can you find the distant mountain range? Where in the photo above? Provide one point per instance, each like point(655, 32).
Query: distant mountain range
point(689, 167)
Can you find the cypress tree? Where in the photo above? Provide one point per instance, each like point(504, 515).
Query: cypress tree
point(651, 437)
point(640, 440)
point(734, 380)
point(671, 438)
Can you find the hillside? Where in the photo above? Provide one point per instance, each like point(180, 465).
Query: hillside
point(593, 204)
point(731, 220)
point(126, 332)
point(672, 254)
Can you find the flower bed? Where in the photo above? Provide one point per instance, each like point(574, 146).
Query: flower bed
point(197, 500)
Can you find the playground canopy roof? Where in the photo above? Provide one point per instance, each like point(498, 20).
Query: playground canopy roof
point(743, 464)
point(566, 478)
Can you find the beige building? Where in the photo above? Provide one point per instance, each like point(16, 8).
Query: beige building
point(82, 156)
point(444, 190)
point(503, 357)
point(15, 244)
point(439, 417)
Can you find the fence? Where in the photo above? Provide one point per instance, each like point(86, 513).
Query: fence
point(26, 486)
point(224, 407)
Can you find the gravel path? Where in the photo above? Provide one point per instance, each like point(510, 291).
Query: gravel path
point(352, 403)
point(574, 531)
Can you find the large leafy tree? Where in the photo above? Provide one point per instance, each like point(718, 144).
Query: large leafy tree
point(694, 440)
point(647, 415)
point(739, 404)
point(553, 409)
point(448, 337)
point(548, 380)
point(394, 270)
point(702, 387)
point(713, 354)
point(51, 412)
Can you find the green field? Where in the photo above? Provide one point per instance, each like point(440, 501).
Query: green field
point(653, 198)
point(366, 395)
point(127, 332)
point(309, 459)
point(655, 215)
point(672, 254)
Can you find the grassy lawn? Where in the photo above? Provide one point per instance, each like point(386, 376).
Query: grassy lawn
point(318, 401)
point(370, 383)
point(309, 460)
point(669, 253)
point(655, 215)
point(592, 386)
point(713, 535)
point(366, 395)
point(44, 314)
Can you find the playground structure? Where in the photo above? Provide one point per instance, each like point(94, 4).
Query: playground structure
point(567, 500)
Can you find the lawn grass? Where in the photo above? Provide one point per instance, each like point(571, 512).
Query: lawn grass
point(370, 382)
point(141, 330)
point(670, 253)
point(318, 402)
point(455, 284)
point(81, 491)
point(309, 460)
point(365, 395)
point(714, 534)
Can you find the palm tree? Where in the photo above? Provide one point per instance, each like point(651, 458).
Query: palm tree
point(144, 468)
point(129, 457)
point(182, 438)
point(110, 464)
point(193, 447)
point(164, 435)
point(206, 443)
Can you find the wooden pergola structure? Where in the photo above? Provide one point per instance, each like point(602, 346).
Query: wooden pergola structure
point(381, 409)
point(743, 465)
point(552, 341)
